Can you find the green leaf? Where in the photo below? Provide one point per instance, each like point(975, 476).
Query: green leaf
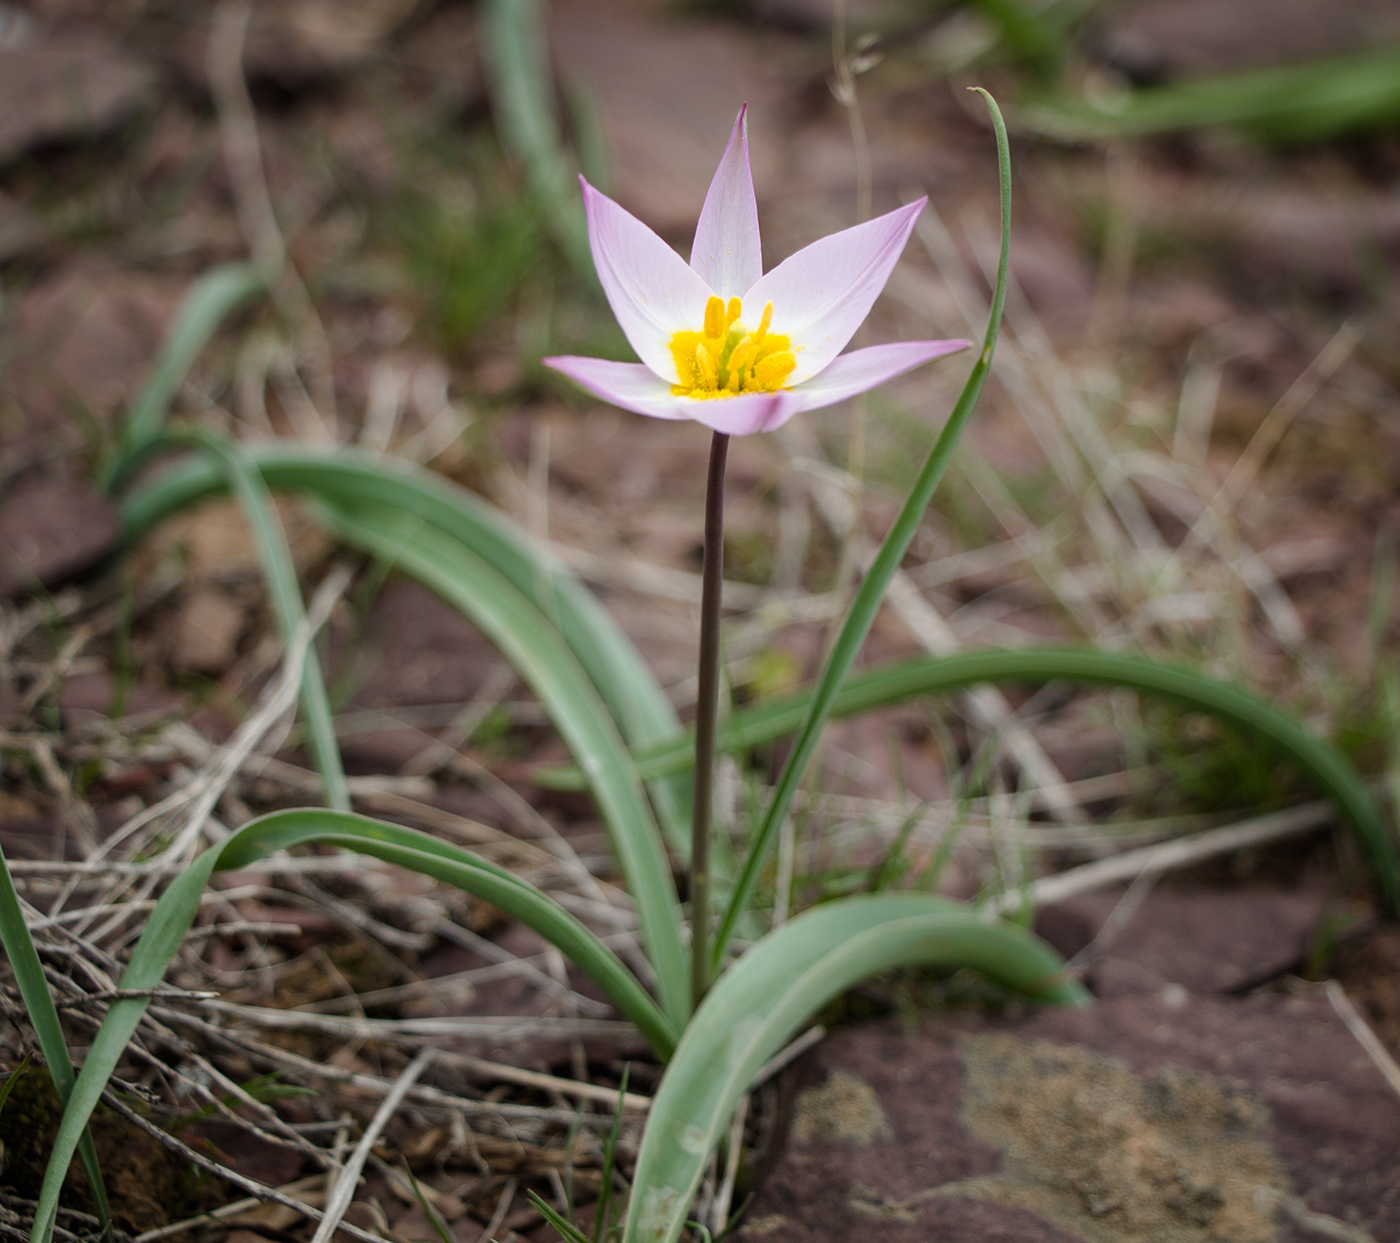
point(902, 680)
point(566, 1229)
point(347, 477)
point(866, 604)
point(43, 1015)
point(13, 1078)
point(212, 299)
point(761, 1001)
point(241, 474)
point(522, 99)
point(176, 909)
point(1285, 103)
point(541, 658)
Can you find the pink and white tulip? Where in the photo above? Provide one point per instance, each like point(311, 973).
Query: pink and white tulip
point(721, 342)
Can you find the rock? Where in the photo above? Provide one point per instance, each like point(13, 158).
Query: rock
point(88, 698)
point(207, 629)
point(668, 95)
point(299, 43)
point(1205, 941)
point(61, 86)
point(1152, 39)
point(422, 650)
point(50, 531)
point(845, 1107)
point(252, 1156)
point(1220, 1121)
point(85, 338)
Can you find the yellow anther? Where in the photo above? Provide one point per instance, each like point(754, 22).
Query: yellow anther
point(724, 360)
point(705, 365)
point(714, 317)
point(765, 323)
point(769, 373)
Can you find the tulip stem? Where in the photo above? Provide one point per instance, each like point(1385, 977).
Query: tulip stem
point(706, 720)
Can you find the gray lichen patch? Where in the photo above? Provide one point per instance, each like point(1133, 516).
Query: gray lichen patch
point(843, 1108)
point(1113, 1157)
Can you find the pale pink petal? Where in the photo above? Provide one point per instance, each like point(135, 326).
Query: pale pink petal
point(745, 414)
point(726, 253)
point(861, 370)
point(629, 385)
point(633, 387)
point(653, 291)
point(823, 293)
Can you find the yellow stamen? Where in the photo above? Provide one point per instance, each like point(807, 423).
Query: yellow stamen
point(714, 318)
point(764, 323)
point(705, 367)
point(769, 373)
point(725, 359)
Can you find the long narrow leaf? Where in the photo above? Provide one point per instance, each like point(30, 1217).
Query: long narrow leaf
point(43, 1015)
point(279, 571)
point(173, 914)
point(759, 1003)
point(549, 668)
point(1286, 103)
point(213, 297)
point(867, 601)
point(902, 680)
point(522, 98)
point(346, 478)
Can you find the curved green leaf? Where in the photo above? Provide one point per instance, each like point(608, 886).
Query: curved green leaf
point(534, 647)
point(210, 300)
point(759, 1003)
point(522, 99)
point(43, 1016)
point(176, 909)
point(347, 477)
point(866, 604)
point(902, 680)
point(279, 572)
point(1305, 102)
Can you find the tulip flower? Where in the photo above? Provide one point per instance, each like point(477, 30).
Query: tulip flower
point(741, 352)
point(721, 342)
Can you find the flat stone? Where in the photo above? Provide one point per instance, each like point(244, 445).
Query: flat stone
point(61, 86)
point(85, 340)
point(299, 42)
point(50, 531)
point(207, 629)
point(668, 93)
point(1200, 940)
point(1220, 1120)
point(1170, 38)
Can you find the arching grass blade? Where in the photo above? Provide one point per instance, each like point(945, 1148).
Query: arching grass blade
point(176, 909)
point(903, 680)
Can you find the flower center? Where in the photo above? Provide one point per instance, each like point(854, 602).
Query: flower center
point(727, 359)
